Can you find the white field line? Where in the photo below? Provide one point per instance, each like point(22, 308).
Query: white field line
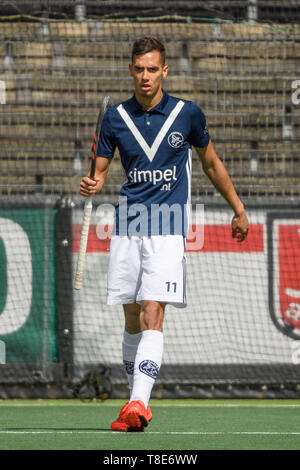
point(197, 433)
point(158, 405)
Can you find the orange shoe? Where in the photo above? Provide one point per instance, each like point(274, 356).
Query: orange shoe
point(121, 424)
point(137, 416)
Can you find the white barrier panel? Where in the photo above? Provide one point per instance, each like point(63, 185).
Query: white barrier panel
point(228, 319)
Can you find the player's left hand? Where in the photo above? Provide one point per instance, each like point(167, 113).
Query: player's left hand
point(240, 226)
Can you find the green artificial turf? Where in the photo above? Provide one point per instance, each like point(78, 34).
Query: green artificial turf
point(176, 425)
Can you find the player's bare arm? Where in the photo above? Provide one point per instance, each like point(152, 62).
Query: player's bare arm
point(217, 173)
point(90, 186)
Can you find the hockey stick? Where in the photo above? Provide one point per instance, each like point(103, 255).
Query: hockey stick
point(88, 206)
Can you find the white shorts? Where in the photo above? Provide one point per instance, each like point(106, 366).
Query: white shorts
point(147, 268)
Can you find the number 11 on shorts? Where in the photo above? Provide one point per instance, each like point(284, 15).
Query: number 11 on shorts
point(171, 286)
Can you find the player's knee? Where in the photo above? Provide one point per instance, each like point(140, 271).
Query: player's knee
point(152, 316)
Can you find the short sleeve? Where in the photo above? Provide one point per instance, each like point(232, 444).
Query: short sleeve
point(199, 136)
point(106, 143)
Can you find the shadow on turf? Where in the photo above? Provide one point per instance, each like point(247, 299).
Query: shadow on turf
point(57, 429)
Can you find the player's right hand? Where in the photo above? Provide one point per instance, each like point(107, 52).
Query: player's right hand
point(89, 186)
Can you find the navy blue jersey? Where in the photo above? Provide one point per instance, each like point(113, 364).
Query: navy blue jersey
point(155, 152)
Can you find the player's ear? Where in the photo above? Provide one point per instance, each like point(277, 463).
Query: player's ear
point(130, 69)
point(165, 71)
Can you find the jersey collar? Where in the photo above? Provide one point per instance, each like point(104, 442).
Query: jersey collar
point(159, 108)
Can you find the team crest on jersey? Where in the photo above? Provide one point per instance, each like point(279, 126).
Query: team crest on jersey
point(149, 368)
point(175, 139)
point(284, 274)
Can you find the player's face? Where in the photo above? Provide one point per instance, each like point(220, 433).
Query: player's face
point(148, 72)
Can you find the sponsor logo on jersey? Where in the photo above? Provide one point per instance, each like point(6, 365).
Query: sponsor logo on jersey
point(149, 368)
point(175, 139)
point(153, 176)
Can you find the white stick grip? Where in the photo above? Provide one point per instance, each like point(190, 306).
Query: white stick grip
point(83, 243)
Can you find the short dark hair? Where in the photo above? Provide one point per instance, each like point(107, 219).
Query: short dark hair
point(148, 44)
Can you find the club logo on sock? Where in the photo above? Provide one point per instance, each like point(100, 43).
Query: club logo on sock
point(149, 368)
point(129, 366)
